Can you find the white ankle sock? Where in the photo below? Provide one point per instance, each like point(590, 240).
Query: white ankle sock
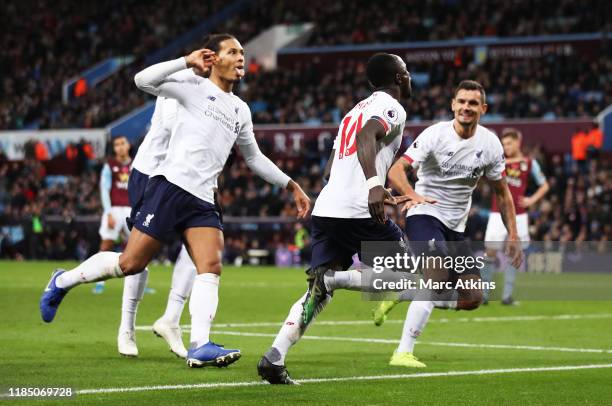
point(203, 307)
point(416, 319)
point(133, 291)
point(182, 281)
point(98, 267)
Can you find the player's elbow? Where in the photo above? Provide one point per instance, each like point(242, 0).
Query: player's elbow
point(143, 84)
point(139, 81)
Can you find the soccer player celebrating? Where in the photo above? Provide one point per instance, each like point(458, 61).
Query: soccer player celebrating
point(450, 158)
point(350, 208)
point(151, 153)
point(179, 197)
point(519, 168)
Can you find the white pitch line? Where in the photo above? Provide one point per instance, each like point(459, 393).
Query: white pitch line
point(434, 343)
point(441, 320)
point(345, 379)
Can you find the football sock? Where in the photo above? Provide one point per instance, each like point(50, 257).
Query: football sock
point(182, 281)
point(203, 307)
point(133, 291)
point(445, 304)
point(350, 280)
point(291, 331)
point(99, 267)
point(486, 273)
point(509, 280)
point(416, 319)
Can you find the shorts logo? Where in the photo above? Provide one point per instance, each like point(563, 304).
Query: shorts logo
point(148, 220)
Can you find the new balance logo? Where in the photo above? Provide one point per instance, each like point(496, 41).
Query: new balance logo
point(148, 220)
point(211, 98)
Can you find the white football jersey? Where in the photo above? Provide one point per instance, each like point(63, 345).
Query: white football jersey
point(449, 168)
point(153, 149)
point(208, 123)
point(346, 193)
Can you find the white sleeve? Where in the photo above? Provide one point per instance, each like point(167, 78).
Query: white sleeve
point(391, 116)
point(419, 150)
point(246, 134)
point(262, 166)
point(106, 181)
point(155, 79)
point(495, 169)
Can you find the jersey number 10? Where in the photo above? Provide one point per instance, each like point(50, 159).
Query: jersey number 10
point(348, 140)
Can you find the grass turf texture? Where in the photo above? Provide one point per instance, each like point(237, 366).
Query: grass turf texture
point(79, 348)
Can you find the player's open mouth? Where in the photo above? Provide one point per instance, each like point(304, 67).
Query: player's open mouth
point(239, 70)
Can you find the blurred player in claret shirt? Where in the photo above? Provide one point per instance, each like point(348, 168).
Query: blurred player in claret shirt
point(114, 197)
point(519, 169)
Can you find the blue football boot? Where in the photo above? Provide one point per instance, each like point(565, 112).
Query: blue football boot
point(51, 298)
point(211, 354)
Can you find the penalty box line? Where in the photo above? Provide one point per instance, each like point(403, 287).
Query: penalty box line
point(345, 379)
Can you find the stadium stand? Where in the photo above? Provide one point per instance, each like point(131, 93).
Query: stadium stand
point(59, 48)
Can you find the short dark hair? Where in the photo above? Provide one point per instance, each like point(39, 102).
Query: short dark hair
point(512, 133)
point(471, 85)
point(381, 69)
point(213, 41)
point(117, 137)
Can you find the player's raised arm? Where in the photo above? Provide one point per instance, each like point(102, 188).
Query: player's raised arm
point(154, 79)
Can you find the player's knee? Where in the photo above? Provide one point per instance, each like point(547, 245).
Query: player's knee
point(210, 266)
point(131, 264)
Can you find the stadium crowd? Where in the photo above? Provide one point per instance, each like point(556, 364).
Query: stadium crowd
point(69, 37)
point(39, 214)
point(551, 87)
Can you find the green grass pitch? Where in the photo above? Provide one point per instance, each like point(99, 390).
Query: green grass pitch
point(494, 355)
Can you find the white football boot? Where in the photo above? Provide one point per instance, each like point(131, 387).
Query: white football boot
point(126, 343)
point(173, 336)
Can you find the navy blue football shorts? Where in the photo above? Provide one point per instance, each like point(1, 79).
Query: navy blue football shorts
point(167, 211)
point(428, 236)
point(337, 239)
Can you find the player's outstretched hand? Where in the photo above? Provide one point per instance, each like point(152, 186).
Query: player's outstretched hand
point(302, 201)
point(514, 252)
point(376, 202)
point(201, 60)
point(413, 200)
